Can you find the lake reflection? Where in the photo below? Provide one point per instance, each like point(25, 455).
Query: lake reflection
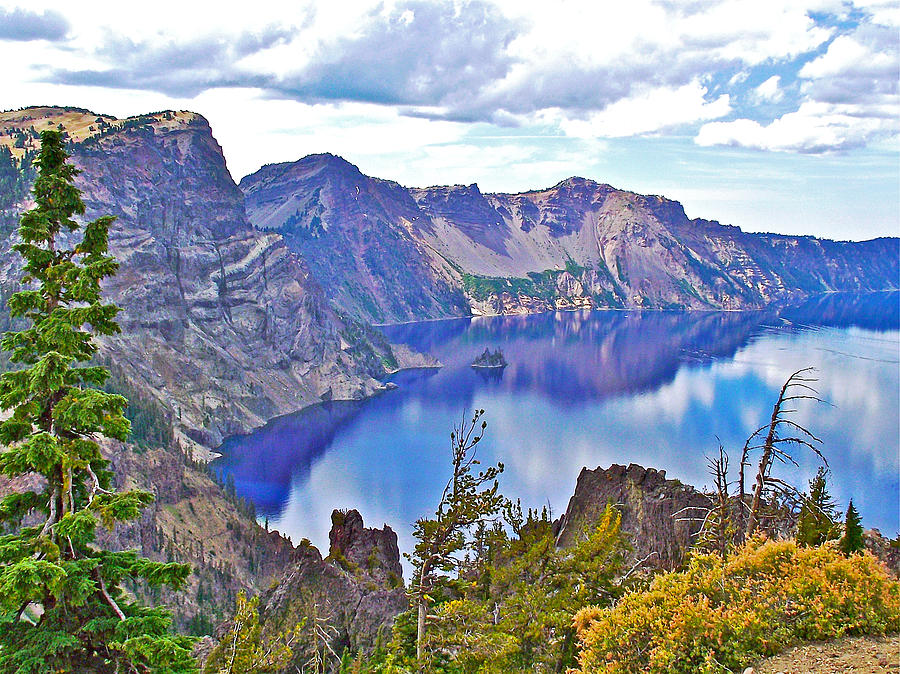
point(589, 389)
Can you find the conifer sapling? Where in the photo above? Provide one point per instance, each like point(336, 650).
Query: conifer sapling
point(852, 540)
point(816, 523)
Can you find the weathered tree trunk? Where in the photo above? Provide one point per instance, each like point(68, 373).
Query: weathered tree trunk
point(420, 633)
point(772, 445)
point(742, 493)
point(423, 610)
point(764, 464)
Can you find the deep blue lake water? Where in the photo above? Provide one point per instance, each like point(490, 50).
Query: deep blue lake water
point(590, 389)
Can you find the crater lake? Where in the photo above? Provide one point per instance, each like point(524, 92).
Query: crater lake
point(588, 389)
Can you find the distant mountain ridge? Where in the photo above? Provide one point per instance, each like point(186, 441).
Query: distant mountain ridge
point(386, 253)
point(356, 234)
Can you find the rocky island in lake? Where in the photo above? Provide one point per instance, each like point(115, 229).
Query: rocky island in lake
point(490, 359)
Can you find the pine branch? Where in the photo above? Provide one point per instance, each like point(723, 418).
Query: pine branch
point(109, 599)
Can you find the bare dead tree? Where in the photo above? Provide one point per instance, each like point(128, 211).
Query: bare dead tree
point(322, 634)
point(741, 518)
point(781, 435)
point(716, 530)
point(731, 519)
point(720, 523)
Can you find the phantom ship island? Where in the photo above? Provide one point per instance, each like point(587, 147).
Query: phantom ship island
point(490, 360)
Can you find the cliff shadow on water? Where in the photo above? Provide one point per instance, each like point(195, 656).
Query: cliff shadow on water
point(279, 450)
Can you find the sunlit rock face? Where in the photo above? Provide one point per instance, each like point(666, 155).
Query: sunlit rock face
point(387, 253)
point(354, 232)
point(220, 322)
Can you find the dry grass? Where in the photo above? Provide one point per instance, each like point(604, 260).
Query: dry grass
point(78, 124)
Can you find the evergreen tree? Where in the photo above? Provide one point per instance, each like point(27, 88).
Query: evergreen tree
point(539, 587)
point(61, 603)
point(525, 621)
point(852, 540)
point(470, 497)
point(816, 523)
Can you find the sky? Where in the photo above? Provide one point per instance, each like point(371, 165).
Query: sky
point(779, 116)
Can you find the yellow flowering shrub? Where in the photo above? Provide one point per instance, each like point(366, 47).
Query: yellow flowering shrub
point(721, 615)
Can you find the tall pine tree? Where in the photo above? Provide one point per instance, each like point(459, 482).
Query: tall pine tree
point(852, 540)
point(62, 607)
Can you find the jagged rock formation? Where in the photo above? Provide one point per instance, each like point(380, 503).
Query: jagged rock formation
point(648, 502)
point(387, 253)
point(884, 549)
point(220, 322)
point(373, 550)
point(355, 593)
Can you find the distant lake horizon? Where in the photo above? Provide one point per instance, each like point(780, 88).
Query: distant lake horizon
point(588, 389)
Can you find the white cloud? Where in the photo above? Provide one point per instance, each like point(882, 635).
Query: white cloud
point(754, 32)
point(847, 55)
point(650, 111)
point(738, 78)
point(592, 33)
point(769, 91)
point(884, 12)
point(849, 99)
point(472, 60)
point(814, 127)
point(254, 130)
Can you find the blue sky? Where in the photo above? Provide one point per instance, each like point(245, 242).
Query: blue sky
point(774, 116)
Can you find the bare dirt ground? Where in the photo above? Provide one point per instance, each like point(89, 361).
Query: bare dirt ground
point(863, 655)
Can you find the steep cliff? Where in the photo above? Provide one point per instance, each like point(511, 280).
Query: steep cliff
point(415, 252)
point(220, 322)
point(648, 503)
point(354, 232)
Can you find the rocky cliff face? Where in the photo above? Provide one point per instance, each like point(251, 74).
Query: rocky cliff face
point(354, 232)
point(353, 595)
point(220, 322)
point(579, 244)
point(373, 551)
point(648, 503)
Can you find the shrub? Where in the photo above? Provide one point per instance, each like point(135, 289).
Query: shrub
point(719, 616)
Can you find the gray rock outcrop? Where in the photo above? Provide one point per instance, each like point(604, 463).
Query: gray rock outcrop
point(354, 594)
point(648, 502)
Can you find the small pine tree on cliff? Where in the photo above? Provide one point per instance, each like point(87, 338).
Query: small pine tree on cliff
point(61, 603)
point(242, 649)
point(816, 523)
point(852, 540)
point(470, 497)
